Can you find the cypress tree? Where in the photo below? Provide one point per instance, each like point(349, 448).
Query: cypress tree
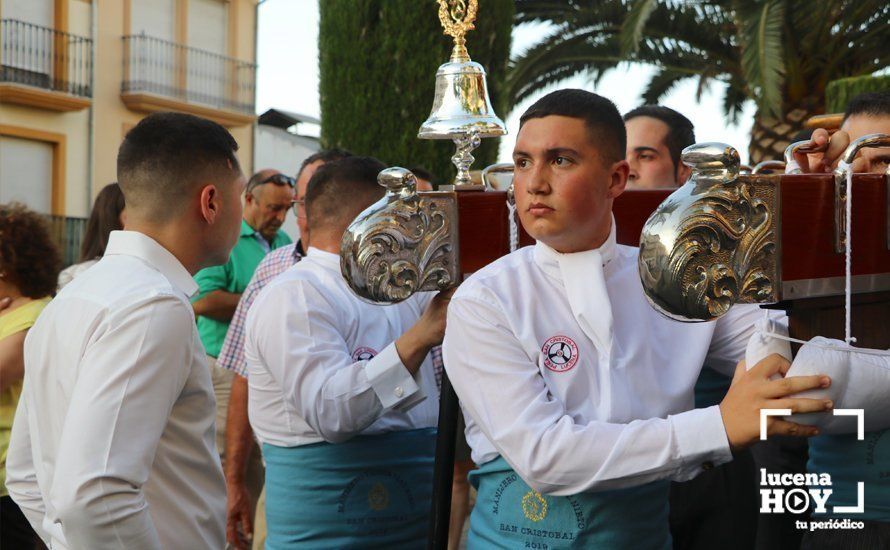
point(377, 68)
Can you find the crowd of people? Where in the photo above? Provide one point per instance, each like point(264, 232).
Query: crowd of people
point(198, 380)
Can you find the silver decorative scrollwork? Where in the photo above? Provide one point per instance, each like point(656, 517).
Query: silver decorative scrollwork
point(404, 243)
point(713, 242)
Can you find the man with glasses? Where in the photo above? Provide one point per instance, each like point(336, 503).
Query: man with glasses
point(244, 478)
point(267, 197)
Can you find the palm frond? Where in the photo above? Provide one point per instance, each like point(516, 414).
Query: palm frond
point(632, 28)
point(661, 83)
point(762, 54)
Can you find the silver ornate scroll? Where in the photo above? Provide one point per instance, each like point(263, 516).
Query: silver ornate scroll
point(713, 242)
point(404, 243)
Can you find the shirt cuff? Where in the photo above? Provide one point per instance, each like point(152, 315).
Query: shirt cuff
point(701, 441)
point(391, 381)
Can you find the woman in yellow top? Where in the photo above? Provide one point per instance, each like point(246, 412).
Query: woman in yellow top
point(29, 268)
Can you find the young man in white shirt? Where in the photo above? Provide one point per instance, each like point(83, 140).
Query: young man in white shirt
point(571, 384)
point(113, 443)
point(341, 392)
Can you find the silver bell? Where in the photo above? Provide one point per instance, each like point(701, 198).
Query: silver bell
point(461, 105)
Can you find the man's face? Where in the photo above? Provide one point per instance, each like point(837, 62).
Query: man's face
point(650, 161)
point(875, 159)
point(269, 204)
point(564, 188)
point(302, 185)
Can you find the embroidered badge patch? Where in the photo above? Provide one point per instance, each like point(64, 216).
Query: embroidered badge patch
point(560, 353)
point(363, 354)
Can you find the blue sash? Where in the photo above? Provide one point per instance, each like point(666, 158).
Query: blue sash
point(372, 491)
point(510, 514)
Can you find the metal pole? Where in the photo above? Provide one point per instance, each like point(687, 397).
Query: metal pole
point(443, 472)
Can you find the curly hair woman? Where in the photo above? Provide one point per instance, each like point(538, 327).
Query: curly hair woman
point(29, 267)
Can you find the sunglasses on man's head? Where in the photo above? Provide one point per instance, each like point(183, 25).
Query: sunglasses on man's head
point(277, 179)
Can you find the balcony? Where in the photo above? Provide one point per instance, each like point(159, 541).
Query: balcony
point(165, 76)
point(43, 67)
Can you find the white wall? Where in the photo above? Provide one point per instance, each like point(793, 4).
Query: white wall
point(26, 174)
point(285, 152)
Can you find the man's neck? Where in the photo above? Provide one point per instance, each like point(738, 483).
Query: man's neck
point(189, 252)
point(327, 242)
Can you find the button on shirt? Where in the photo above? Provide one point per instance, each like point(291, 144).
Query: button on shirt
point(323, 365)
point(113, 441)
point(579, 395)
point(233, 276)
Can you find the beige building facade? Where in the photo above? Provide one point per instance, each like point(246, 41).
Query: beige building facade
point(76, 75)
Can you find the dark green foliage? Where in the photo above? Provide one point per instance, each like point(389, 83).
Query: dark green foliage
point(777, 52)
point(377, 65)
point(839, 92)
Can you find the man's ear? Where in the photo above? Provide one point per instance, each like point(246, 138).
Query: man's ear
point(683, 173)
point(209, 203)
point(618, 178)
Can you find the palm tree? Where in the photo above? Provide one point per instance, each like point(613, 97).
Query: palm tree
point(780, 53)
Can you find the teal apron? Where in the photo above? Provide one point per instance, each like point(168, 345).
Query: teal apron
point(372, 491)
point(850, 461)
point(510, 514)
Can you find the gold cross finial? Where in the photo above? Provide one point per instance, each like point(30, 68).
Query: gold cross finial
point(457, 18)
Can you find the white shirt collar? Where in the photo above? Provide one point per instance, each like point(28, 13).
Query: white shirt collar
point(140, 245)
point(326, 259)
point(548, 259)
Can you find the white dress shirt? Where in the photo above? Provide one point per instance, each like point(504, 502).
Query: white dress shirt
point(113, 441)
point(577, 394)
point(323, 365)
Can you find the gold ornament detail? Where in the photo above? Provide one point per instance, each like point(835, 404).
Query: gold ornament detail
point(378, 497)
point(534, 506)
point(456, 17)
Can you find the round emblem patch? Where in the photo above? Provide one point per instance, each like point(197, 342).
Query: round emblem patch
point(560, 353)
point(363, 354)
point(534, 506)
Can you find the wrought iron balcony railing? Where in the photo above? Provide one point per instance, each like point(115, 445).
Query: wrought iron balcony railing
point(68, 234)
point(161, 67)
point(45, 58)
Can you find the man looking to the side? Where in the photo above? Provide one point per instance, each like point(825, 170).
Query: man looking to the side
point(113, 441)
point(576, 392)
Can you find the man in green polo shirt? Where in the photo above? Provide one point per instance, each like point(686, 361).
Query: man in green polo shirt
point(267, 199)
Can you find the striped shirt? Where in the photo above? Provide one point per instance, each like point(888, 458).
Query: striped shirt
point(231, 356)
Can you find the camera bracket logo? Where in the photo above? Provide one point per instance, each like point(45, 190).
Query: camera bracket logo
point(795, 493)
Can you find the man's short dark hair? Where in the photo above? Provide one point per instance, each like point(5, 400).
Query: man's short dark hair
point(602, 119)
point(681, 132)
point(870, 104)
point(325, 155)
point(166, 154)
point(338, 191)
